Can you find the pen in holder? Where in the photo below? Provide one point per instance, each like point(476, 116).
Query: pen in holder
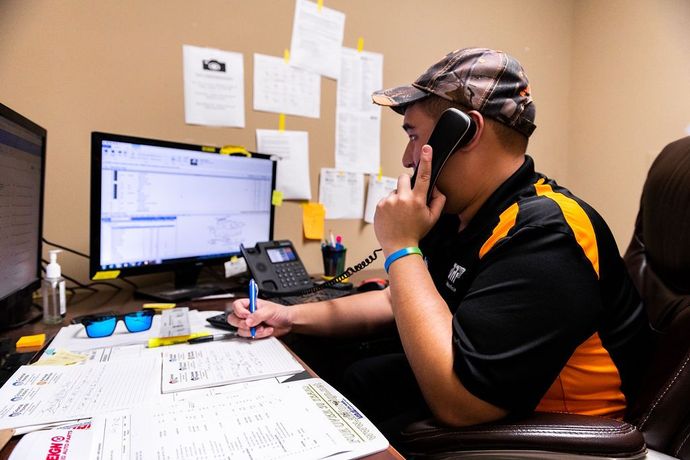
point(333, 260)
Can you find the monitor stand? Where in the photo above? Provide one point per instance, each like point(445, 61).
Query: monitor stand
point(185, 287)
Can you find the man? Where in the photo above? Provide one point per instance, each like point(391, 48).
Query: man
point(518, 283)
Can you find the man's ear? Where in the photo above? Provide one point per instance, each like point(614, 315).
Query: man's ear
point(479, 122)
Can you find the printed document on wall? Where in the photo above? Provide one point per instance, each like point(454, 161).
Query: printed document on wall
point(317, 38)
point(213, 87)
point(281, 88)
point(341, 193)
point(379, 188)
point(292, 149)
point(358, 120)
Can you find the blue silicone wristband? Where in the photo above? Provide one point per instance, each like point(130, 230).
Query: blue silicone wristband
point(400, 253)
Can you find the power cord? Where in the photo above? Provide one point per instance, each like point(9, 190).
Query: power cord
point(74, 251)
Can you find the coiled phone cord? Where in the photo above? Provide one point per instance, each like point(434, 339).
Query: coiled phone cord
point(330, 283)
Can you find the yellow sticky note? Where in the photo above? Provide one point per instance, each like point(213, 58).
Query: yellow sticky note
point(106, 275)
point(360, 44)
point(232, 149)
point(60, 358)
point(313, 216)
point(277, 198)
point(319, 4)
point(281, 122)
point(286, 55)
point(31, 341)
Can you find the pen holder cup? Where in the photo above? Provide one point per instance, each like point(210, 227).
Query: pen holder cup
point(333, 261)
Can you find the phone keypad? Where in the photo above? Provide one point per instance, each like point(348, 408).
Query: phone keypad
point(292, 274)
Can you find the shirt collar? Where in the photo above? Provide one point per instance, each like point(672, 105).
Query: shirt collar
point(504, 196)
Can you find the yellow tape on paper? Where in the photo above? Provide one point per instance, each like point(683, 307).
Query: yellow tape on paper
point(234, 149)
point(277, 198)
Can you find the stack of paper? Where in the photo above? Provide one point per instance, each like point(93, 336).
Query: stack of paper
point(186, 367)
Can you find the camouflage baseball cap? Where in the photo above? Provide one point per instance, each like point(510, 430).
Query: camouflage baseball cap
point(489, 81)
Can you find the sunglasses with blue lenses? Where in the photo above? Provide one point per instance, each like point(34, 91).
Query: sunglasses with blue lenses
point(103, 325)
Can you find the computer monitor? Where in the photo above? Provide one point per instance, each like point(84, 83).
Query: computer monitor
point(167, 206)
point(22, 166)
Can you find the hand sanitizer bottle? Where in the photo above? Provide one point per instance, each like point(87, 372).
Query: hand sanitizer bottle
point(53, 292)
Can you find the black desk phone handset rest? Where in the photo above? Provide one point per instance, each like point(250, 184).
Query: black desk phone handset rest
point(277, 268)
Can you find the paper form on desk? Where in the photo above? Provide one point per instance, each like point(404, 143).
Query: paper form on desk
point(187, 367)
point(63, 443)
point(45, 394)
point(253, 386)
point(306, 419)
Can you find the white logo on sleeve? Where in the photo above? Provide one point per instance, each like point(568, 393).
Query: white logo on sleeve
point(453, 275)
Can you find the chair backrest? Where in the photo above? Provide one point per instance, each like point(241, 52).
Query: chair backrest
point(658, 260)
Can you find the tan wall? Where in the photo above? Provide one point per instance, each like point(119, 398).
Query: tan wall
point(115, 66)
point(630, 97)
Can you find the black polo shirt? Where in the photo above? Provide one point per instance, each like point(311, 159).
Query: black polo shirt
point(534, 275)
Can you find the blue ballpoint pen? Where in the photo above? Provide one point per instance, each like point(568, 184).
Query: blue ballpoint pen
point(253, 292)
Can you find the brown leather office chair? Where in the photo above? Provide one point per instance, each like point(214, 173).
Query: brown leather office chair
point(657, 424)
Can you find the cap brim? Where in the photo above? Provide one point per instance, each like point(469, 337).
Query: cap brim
point(398, 98)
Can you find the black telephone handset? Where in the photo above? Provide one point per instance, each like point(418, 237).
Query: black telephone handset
point(276, 267)
point(453, 130)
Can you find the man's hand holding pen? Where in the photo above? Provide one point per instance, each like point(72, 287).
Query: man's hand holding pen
point(253, 295)
point(269, 319)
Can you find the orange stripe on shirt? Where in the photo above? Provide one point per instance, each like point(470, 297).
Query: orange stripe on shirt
point(506, 221)
point(589, 384)
point(578, 221)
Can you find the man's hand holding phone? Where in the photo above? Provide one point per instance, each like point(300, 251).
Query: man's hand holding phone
point(403, 217)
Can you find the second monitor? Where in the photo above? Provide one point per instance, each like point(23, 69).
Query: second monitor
point(167, 206)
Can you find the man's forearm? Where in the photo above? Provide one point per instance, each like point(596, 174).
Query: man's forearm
point(358, 314)
point(425, 326)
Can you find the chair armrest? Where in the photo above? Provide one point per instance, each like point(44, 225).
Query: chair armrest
point(540, 431)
